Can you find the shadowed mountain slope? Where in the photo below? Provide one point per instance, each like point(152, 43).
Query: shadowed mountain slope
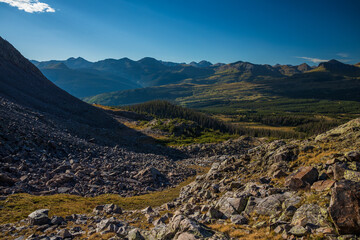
point(23, 83)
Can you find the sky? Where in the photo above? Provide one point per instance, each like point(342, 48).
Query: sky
point(257, 31)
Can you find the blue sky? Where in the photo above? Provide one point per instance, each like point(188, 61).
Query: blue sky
point(258, 31)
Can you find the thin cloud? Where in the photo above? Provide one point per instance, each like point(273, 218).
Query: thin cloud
point(343, 55)
point(30, 6)
point(314, 60)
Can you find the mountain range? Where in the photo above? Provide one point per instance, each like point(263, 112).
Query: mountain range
point(243, 81)
point(82, 78)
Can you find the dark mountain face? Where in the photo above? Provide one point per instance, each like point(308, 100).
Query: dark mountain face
point(336, 67)
point(290, 70)
point(249, 70)
point(23, 83)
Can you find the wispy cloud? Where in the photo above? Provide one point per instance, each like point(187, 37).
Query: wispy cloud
point(314, 60)
point(343, 55)
point(29, 6)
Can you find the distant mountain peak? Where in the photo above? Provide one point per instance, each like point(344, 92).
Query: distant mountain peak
point(304, 67)
point(332, 62)
point(79, 62)
point(76, 58)
point(202, 63)
point(337, 67)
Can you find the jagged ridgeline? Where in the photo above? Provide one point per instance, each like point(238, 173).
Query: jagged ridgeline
point(166, 109)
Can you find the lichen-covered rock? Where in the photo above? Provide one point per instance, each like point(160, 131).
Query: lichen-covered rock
point(298, 231)
point(232, 205)
point(345, 207)
point(311, 214)
point(269, 205)
point(352, 175)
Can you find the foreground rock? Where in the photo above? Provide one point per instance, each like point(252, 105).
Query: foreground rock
point(345, 207)
point(39, 217)
point(240, 195)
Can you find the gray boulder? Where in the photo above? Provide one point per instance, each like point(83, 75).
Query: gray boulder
point(39, 217)
point(311, 214)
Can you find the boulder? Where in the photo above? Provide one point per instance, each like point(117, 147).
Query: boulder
point(109, 224)
point(286, 155)
point(60, 179)
point(353, 156)
point(311, 214)
point(151, 176)
point(135, 234)
point(147, 210)
point(214, 213)
point(303, 177)
point(112, 209)
point(6, 180)
point(338, 170)
point(352, 175)
point(232, 205)
point(323, 185)
point(239, 219)
point(345, 207)
point(56, 220)
point(181, 224)
point(270, 205)
point(64, 233)
point(186, 236)
point(298, 231)
point(39, 217)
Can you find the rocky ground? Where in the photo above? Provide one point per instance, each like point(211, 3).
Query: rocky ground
point(278, 190)
point(40, 154)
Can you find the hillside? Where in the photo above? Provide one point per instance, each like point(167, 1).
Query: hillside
point(277, 190)
point(51, 142)
point(249, 95)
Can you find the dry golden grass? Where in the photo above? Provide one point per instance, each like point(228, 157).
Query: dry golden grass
point(18, 206)
point(98, 236)
point(246, 233)
point(319, 154)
